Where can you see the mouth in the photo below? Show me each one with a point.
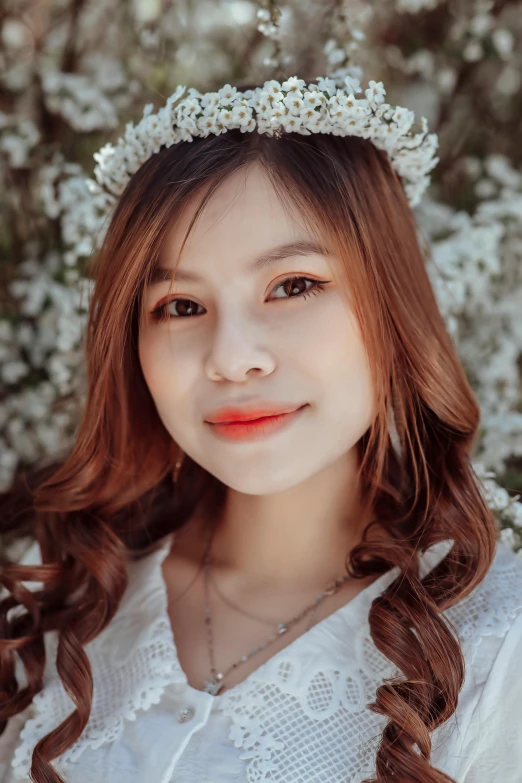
(254, 417)
(249, 412)
(254, 429)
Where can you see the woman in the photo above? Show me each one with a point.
(275, 600)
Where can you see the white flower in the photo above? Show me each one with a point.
(414, 6)
(403, 118)
(6, 331)
(509, 81)
(499, 167)
(473, 51)
(13, 371)
(514, 513)
(242, 115)
(335, 56)
(507, 536)
(291, 123)
(17, 139)
(227, 94)
(293, 84)
(273, 89)
(375, 92)
(326, 85)
(79, 101)
(352, 84)
(481, 24)
(446, 78)
(294, 103)
(503, 41)
(485, 188)
(313, 98)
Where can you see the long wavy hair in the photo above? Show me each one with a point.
(113, 495)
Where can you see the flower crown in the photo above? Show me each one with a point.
(275, 108)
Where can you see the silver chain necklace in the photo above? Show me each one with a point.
(216, 681)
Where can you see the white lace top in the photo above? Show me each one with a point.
(301, 717)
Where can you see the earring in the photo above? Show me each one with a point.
(177, 467)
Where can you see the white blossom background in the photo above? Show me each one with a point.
(73, 72)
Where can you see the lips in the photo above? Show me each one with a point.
(256, 429)
(249, 412)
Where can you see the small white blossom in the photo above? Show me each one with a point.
(473, 51)
(509, 81)
(514, 514)
(507, 537)
(503, 41)
(414, 6)
(481, 24)
(12, 372)
(375, 93)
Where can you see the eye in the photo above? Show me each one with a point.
(317, 286)
(187, 307)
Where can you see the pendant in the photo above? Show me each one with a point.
(212, 686)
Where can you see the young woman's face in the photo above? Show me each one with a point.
(241, 333)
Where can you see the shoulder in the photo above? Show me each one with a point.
(489, 622)
(481, 732)
(132, 662)
(492, 610)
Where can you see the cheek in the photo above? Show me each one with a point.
(170, 371)
(147, 352)
(158, 363)
(341, 364)
(334, 341)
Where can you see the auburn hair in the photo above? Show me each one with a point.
(112, 495)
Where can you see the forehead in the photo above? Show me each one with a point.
(243, 219)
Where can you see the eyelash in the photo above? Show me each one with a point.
(160, 313)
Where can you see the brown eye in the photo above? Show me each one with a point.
(289, 285)
(164, 311)
(185, 308)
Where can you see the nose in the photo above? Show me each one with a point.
(238, 345)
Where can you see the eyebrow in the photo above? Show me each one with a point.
(302, 248)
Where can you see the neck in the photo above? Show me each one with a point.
(296, 539)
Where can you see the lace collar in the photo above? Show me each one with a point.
(135, 659)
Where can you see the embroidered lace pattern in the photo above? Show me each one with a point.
(294, 710)
(304, 703)
(132, 661)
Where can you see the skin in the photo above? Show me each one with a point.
(292, 511)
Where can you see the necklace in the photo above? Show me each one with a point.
(216, 681)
